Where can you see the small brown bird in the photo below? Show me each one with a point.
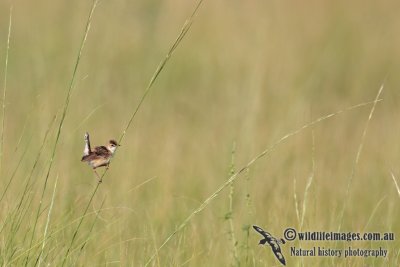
(100, 156)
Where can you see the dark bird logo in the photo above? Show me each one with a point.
(273, 242)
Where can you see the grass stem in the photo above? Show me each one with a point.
(5, 92)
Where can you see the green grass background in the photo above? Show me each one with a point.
(248, 72)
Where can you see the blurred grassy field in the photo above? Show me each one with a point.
(247, 73)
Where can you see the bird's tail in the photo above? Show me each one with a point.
(87, 149)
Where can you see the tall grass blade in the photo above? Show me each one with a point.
(90, 231)
(229, 215)
(309, 182)
(79, 225)
(373, 213)
(47, 224)
(360, 147)
(5, 92)
(27, 184)
(186, 27)
(296, 202)
(15, 170)
(395, 183)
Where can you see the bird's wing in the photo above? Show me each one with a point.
(280, 257)
(278, 253)
(277, 250)
(263, 233)
(101, 151)
(89, 157)
(275, 247)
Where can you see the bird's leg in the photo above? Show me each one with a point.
(108, 166)
(98, 176)
(87, 149)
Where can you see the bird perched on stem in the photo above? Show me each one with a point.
(100, 156)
